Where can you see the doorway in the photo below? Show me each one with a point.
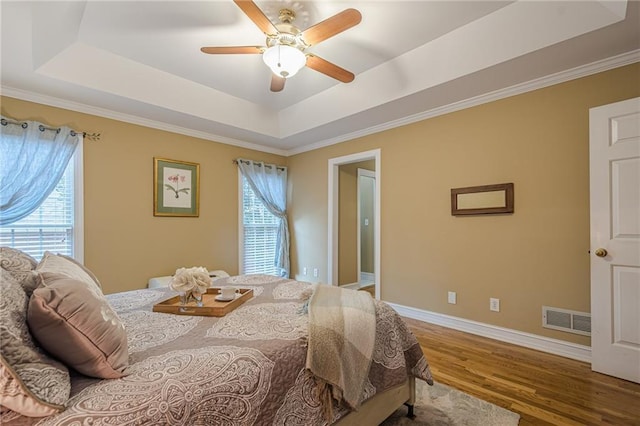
(356, 222)
(333, 260)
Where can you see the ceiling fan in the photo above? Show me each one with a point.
(285, 47)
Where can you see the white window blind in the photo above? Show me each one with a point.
(48, 228)
(259, 234)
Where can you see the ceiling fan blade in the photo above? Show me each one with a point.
(277, 83)
(327, 68)
(331, 26)
(257, 16)
(232, 49)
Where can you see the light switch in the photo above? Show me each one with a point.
(366, 221)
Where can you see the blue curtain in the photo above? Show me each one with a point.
(33, 158)
(269, 183)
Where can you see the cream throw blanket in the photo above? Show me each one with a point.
(342, 329)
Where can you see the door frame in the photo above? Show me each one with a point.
(333, 213)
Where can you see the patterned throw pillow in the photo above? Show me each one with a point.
(60, 264)
(20, 265)
(74, 322)
(31, 383)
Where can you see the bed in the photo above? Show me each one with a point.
(245, 368)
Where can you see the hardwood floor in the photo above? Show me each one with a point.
(371, 289)
(544, 389)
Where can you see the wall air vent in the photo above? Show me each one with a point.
(566, 320)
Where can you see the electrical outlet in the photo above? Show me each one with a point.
(451, 297)
(494, 304)
(315, 272)
(304, 271)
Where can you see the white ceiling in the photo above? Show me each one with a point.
(140, 61)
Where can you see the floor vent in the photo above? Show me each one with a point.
(566, 320)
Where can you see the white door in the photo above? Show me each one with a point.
(615, 239)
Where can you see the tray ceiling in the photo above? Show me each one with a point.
(140, 60)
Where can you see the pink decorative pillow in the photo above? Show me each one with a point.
(61, 264)
(73, 321)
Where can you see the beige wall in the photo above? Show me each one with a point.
(347, 225)
(125, 244)
(536, 256)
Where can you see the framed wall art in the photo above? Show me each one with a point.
(485, 199)
(176, 188)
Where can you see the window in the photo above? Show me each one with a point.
(258, 234)
(56, 225)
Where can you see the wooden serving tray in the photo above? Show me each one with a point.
(211, 307)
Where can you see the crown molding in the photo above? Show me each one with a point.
(550, 80)
(129, 118)
(539, 83)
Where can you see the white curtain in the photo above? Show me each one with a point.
(269, 183)
(33, 158)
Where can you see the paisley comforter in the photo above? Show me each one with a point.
(246, 368)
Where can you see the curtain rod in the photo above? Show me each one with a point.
(268, 166)
(42, 127)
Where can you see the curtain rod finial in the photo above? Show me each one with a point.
(91, 136)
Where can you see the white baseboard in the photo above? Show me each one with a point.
(352, 286)
(359, 285)
(528, 340)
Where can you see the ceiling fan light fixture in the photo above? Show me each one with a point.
(284, 61)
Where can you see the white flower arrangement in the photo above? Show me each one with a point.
(191, 281)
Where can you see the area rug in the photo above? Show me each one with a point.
(441, 405)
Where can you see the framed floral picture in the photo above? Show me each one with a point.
(176, 188)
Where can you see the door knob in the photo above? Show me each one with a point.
(601, 252)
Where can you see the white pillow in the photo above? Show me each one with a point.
(60, 264)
